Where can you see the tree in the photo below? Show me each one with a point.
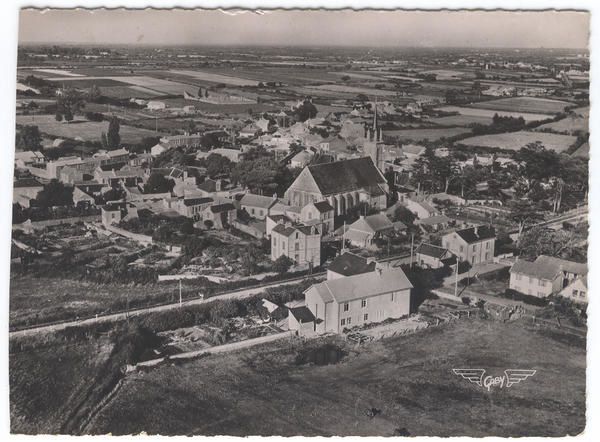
(404, 215)
(113, 139)
(217, 165)
(282, 264)
(28, 138)
(200, 92)
(54, 194)
(306, 111)
(68, 103)
(187, 227)
(524, 212)
(94, 93)
(543, 241)
(261, 172)
(157, 183)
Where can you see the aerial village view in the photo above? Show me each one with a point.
(299, 239)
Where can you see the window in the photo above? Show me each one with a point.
(297, 257)
(473, 248)
(346, 307)
(366, 317)
(518, 277)
(487, 245)
(461, 249)
(261, 213)
(296, 236)
(309, 215)
(348, 321)
(283, 245)
(343, 322)
(363, 303)
(574, 292)
(297, 246)
(487, 256)
(542, 283)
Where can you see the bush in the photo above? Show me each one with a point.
(282, 264)
(527, 299)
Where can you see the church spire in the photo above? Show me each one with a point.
(376, 123)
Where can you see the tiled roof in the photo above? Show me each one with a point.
(350, 264)
(27, 182)
(253, 200)
(565, 265)
(431, 250)
(535, 269)
(323, 206)
(218, 208)
(364, 285)
(196, 201)
(476, 234)
(346, 175)
(302, 314)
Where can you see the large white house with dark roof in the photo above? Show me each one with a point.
(302, 244)
(344, 184)
(473, 245)
(359, 299)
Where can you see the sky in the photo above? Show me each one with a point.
(533, 29)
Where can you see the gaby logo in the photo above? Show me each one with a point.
(477, 376)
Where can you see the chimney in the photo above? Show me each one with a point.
(218, 185)
(274, 197)
(475, 230)
(379, 271)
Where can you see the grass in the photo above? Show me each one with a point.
(86, 130)
(517, 140)
(425, 134)
(524, 104)
(477, 112)
(568, 125)
(46, 381)
(462, 120)
(263, 391)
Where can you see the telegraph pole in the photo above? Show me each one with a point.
(456, 279)
(412, 243)
(180, 299)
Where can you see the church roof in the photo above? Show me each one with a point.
(346, 175)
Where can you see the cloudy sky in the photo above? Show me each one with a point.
(311, 28)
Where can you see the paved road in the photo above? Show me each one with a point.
(234, 294)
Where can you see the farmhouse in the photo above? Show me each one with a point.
(359, 299)
(473, 245)
(257, 206)
(344, 184)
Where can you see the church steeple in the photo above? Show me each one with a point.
(376, 130)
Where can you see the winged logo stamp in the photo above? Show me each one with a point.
(508, 379)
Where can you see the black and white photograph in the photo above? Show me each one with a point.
(302, 222)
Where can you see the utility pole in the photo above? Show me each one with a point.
(180, 300)
(412, 243)
(344, 238)
(456, 279)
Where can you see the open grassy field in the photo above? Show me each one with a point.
(86, 130)
(477, 112)
(425, 133)
(517, 140)
(461, 120)
(38, 300)
(216, 78)
(46, 383)
(569, 125)
(524, 104)
(267, 391)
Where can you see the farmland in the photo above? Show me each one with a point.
(478, 112)
(517, 140)
(425, 133)
(81, 128)
(216, 78)
(461, 120)
(569, 125)
(408, 378)
(524, 104)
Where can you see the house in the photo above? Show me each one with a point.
(82, 199)
(127, 176)
(434, 257)
(576, 290)
(301, 319)
(157, 149)
(193, 207)
(349, 264)
(113, 213)
(367, 297)
(366, 229)
(273, 219)
(29, 158)
(434, 223)
(257, 206)
(301, 159)
(302, 244)
(546, 276)
(318, 214)
(221, 215)
(474, 245)
(344, 184)
(421, 209)
(25, 190)
(232, 155)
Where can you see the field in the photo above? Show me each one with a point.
(425, 134)
(81, 128)
(517, 140)
(340, 90)
(268, 391)
(569, 125)
(477, 112)
(216, 78)
(461, 120)
(46, 383)
(153, 84)
(524, 104)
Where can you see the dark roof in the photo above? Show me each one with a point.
(208, 185)
(431, 250)
(196, 201)
(27, 182)
(225, 207)
(290, 230)
(323, 206)
(476, 234)
(302, 314)
(346, 175)
(350, 264)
